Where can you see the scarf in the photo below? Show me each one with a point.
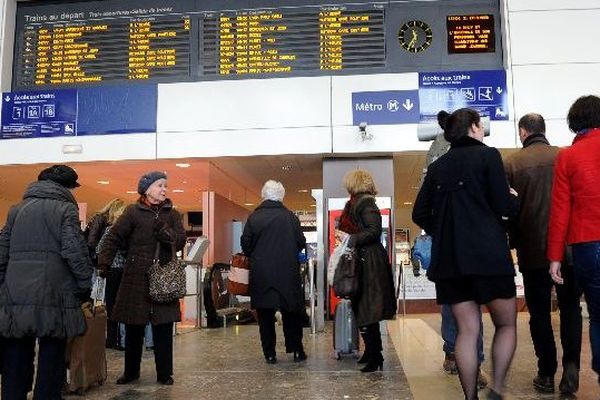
(346, 223)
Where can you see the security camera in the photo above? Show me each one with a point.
(362, 128)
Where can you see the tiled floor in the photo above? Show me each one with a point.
(227, 363)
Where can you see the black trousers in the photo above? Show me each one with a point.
(17, 374)
(163, 350)
(113, 281)
(292, 330)
(538, 288)
(372, 338)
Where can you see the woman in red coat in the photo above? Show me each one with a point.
(575, 210)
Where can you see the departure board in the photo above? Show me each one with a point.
(277, 42)
(75, 43)
(83, 52)
(470, 34)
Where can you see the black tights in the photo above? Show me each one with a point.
(504, 314)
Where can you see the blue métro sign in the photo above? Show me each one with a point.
(39, 114)
(389, 107)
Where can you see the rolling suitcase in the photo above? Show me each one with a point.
(86, 355)
(345, 331)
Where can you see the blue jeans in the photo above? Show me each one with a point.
(450, 330)
(586, 257)
(149, 342)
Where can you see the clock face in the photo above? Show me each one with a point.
(415, 36)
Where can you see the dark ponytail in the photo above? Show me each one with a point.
(442, 118)
(459, 122)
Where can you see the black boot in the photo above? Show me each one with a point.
(374, 363)
(365, 358)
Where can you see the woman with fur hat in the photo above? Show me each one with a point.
(150, 221)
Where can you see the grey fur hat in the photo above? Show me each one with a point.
(148, 179)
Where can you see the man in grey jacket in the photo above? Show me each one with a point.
(45, 275)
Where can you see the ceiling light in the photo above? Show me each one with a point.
(178, 190)
(184, 182)
(183, 165)
(72, 149)
(103, 182)
(286, 167)
(408, 203)
(248, 204)
(303, 191)
(131, 192)
(313, 205)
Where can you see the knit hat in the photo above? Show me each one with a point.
(148, 179)
(61, 174)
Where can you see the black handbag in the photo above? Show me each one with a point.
(345, 279)
(166, 281)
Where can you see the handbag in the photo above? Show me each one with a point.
(422, 251)
(345, 278)
(334, 259)
(166, 281)
(239, 275)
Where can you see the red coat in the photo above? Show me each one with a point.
(575, 208)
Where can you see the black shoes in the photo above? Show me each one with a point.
(271, 359)
(374, 363)
(364, 358)
(544, 383)
(299, 356)
(492, 395)
(124, 380)
(167, 381)
(569, 384)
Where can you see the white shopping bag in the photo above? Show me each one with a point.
(98, 289)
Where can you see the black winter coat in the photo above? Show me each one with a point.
(136, 232)
(376, 299)
(44, 265)
(272, 239)
(461, 204)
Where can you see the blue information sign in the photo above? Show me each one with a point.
(386, 108)
(39, 114)
(484, 91)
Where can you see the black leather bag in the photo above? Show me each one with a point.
(345, 279)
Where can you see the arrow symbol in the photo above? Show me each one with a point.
(408, 105)
(498, 90)
(7, 98)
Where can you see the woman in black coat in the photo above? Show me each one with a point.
(375, 300)
(150, 223)
(463, 205)
(272, 239)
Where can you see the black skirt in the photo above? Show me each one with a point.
(477, 288)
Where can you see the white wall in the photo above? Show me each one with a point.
(555, 58)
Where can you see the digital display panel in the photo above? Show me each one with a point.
(97, 51)
(471, 33)
(88, 43)
(280, 42)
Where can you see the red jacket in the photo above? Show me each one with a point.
(575, 208)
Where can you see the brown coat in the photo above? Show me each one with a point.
(529, 172)
(137, 232)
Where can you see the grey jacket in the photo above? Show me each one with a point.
(44, 265)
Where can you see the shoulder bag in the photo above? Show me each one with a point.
(166, 281)
(345, 278)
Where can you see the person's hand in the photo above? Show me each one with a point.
(555, 272)
(513, 192)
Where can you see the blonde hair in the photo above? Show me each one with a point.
(113, 209)
(359, 181)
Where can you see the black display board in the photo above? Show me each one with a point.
(86, 43)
